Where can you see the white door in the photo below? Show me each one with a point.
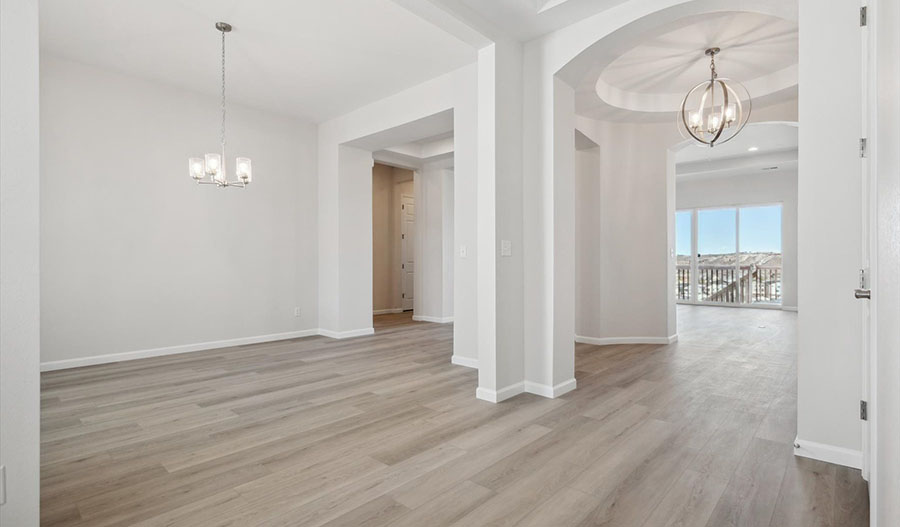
(407, 249)
(867, 246)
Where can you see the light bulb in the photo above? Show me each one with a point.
(195, 166)
(730, 112)
(244, 169)
(213, 163)
(695, 120)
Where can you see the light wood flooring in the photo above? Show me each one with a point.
(383, 430)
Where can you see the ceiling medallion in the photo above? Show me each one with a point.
(714, 111)
(210, 170)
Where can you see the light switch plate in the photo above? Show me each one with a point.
(505, 248)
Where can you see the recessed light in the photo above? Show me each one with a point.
(753, 149)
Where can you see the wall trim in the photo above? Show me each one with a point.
(438, 320)
(199, 346)
(172, 350)
(496, 396)
(828, 453)
(388, 311)
(464, 361)
(606, 341)
(552, 392)
(789, 308)
(346, 334)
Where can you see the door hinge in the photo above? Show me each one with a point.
(402, 236)
(402, 207)
(402, 266)
(863, 147)
(403, 295)
(863, 16)
(863, 411)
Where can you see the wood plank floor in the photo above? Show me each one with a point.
(383, 430)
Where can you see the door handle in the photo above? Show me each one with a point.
(863, 293)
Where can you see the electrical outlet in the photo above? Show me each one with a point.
(463, 252)
(505, 248)
(297, 311)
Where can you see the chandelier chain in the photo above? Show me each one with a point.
(223, 92)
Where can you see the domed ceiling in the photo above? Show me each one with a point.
(647, 81)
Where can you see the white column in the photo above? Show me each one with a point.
(19, 260)
(499, 210)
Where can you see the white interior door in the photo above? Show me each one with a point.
(407, 249)
(867, 246)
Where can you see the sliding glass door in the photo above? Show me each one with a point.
(684, 248)
(716, 255)
(760, 252)
(729, 255)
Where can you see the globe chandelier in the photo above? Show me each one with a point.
(714, 111)
(210, 169)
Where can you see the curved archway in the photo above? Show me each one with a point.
(553, 67)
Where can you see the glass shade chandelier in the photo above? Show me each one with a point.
(210, 169)
(716, 110)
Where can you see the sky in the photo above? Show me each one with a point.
(716, 230)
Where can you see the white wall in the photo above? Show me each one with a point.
(760, 188)
(434, 254)
(136, 256)
(829, 235)
(19, 262)
(621, 198)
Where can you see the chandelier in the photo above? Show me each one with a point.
(210, 170)
(714, 111)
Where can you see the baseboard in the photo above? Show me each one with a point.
(172, 350)
(200, 346)
(606, 341)
(438, 320)
(464, 361)
(346, 334)
(552, 392)
(496, 396)
(388, 311)
(828, 453)
(789, 308)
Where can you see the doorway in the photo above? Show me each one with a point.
(393, 239)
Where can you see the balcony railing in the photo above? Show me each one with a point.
(728, 284)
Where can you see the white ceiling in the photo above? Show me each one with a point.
(529, 19)
(775, 147)
(314, 59)
(752, 45)
(648, 79)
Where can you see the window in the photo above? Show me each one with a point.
(732, 256)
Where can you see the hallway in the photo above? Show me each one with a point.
(382, 430)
